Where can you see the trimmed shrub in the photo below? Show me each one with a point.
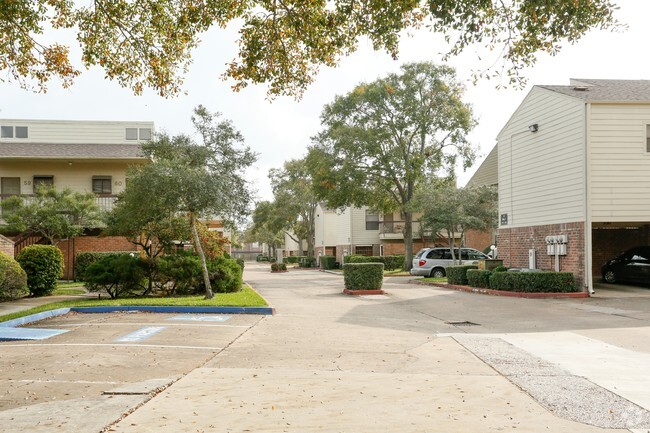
(278, 267)
(292, 259)
(13, 279)
(478, 278)
(225, 275)
(179, 274)
(458, 274)
(85, 259)
(308, 262)
(363, 276)
(500, 269)
(534, 282)
(43, 265)
(118, 275)
(240, 262)
(390, 262)
(327, 262)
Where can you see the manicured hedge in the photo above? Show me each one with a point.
(117, 275)
(327, 262)
(85, 259)
(225, 275)
(292, 259)
(478, 278)
(13, 279)
(363, 276)
(43, 265)
(390, 262)
(278, 267)
(308, 262)
(534, 282)
(458, 274)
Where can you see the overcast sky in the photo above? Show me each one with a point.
(281, 129)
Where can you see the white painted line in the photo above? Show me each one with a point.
(195, 318)
(81, 382)
(140, 334)
(155, 346)
(195, 324)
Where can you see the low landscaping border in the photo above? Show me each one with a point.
(269, 311)
(529, 295)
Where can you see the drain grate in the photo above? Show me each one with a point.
(465, 323)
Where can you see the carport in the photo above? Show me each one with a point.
(608, 239)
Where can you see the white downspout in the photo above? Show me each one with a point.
(588, 241)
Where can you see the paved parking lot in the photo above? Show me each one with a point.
(105, 365)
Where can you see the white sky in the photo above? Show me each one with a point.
(281, 129)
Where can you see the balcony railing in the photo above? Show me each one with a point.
(104, 201)
(395, 230)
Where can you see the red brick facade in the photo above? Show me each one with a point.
(7, 246)
(91, 243)
(514, 244)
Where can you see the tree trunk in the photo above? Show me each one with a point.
(204, 266)
(311, 233)
(408, 241)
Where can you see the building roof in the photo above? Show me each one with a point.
(605, 90)
(78, 151)
(488, 171)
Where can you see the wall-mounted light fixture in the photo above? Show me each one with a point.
(534, 127)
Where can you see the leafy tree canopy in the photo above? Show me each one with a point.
(148, 43)
(51, 213)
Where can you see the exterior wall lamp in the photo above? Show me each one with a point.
(534, 127)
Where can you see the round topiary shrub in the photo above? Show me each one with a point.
(225, 275)
(43, 265)
(13, 280)
(363, 276)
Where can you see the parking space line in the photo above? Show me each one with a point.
(140, 334)
(195, 324)
(156, 346)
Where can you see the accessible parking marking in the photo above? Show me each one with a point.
(140, 334)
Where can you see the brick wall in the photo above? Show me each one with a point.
(514, 244)
(7, 246)
(397, 246)
(88, 244)
(479, 240)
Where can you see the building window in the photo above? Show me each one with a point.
(372, 221)
(363, 250)
(47, 181)
(6, 132)
(647, 138)
(21, 132)
(131, 133)
(102, 184)
(144, 134)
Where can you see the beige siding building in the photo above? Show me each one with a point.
(574, 161)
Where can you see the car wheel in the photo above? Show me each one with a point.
(438, 273)
(609, 276)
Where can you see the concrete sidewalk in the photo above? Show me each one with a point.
(327, 362)
(23, 304)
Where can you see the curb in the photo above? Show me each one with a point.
(535, 295)
(363, 292)
(150, 309)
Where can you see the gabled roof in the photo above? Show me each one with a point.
(79, 151)
(605, 90)
(488, 171)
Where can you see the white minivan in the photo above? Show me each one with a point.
(432, 262)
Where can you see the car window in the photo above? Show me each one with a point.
(435, 254)
(640, 257)
(419, 254)
(474, 255)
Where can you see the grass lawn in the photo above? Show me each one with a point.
(247, 297)
(79, 291)
(433, 280)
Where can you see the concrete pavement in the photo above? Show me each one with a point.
(421, 359)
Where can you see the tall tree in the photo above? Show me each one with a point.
(295, 201)
(386, 138)
(148, 43)
(196, 180)
(52, 214)
(456, 210)
(267, 227)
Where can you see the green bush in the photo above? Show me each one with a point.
(85, 259)
(363, 276)
(500, 269)
(534, 282)
(390, 262)
(278, 267)
(225, 275)
(13, 279)
(478, 278)
(292, 259)
(43, 265)
(308, 262)
(119, 275)
(240, 262)
(327, 262)
(458, 274)
(179, 274)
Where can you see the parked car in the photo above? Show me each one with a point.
(632, 266)
(432, 262)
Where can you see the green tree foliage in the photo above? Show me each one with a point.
(191, 180)
(267, 227)
(51, 213)
(148, 43)
(456, 210)
(384, 139)
(43, 265)
(295, 201)
(13, 279)
(117, 275)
